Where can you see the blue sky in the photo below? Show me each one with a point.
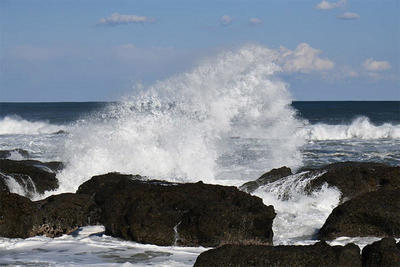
(79, 51)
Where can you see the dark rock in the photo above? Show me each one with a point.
(16, 215)
(31, 174)
(351, 178)
(3, 183)
(319, 254)
(7, 153)
(191, 214)
(64, 213)
(381, 253)
(266, 178)
(53, 216)
(371, 214)
(356, 178)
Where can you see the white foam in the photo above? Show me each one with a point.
(89, 246)
(17, 125)
(175, 129)
(15, 155)
(360, 128)
(27, 189)
(360, 241)
(299, 215)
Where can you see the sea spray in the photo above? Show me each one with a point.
(24, 186)
(299, 213)
(16, 125)
(177, 128)
(359, 128)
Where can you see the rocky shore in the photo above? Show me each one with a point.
(239, 225)
(380, 253)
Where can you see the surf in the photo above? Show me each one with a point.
(177, 129)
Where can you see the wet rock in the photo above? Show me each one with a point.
(3, 184)
(64, 213)
(191, 214)
(32, 175)
(266, 178)
(351, 178)
(356, 178)
(381, 253)
(16, 215)
(53, 216)
(319, 254)
(371, 214)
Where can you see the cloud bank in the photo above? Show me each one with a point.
(118, 19)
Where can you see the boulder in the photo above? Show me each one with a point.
(64, 213)
(381, 253)
(371, 214)
(54, 216)
(34, 176)
(266, 178)
(320, 254)
(16, 215)
(191, 214)
(356, 178)
(351, 178)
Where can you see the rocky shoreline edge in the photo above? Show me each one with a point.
(228, 218)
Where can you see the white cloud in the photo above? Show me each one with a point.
(325, 5)
(374, 65)
(226, 20)
(348, 16)
(304, 59)
(117, 19)
(255, 21)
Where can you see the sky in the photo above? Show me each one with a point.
(97, 50)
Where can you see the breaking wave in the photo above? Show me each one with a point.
(360, 128)
(175, 129)
(299, 214)
(16, 125)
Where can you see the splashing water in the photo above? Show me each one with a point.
(15, 125)
(360, 128)
(299, 215)
(25, 187)
(177, 128)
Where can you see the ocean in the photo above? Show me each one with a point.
(226, 122)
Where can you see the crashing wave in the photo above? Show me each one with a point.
(16, 125)
(175, 129)
(360, 128)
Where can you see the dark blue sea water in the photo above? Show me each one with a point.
(330, 112)
(342, 112)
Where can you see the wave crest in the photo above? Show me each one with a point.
(360, 128)
(174, 129)
(17, 125)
